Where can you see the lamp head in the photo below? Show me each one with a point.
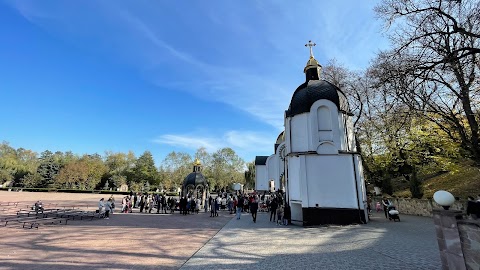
(444, 198)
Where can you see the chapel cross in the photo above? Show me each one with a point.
(310, 44)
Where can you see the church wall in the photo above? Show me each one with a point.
(288, 144)
(261, 177)
(330, 182)
(362, 193)
(294, 169)
(299, 133)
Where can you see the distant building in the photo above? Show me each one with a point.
(261, 173)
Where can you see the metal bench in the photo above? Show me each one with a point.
(50, 220)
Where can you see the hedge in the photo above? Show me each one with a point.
(80, 191)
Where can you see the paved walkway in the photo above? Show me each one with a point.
(381, 244)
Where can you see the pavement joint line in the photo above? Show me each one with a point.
(226, 223)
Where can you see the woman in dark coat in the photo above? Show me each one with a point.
(254, 208)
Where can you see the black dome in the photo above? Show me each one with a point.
(313, 90)
(195, 178)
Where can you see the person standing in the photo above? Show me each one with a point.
(101, 205)
(164, 203)
(386, 202)
(473, 208)
(142, 203)
(254, 208)
(135, 200)
(273, 209)
(159, 204)
(112, 200)
(217, 205)
(108, 208)
(239, 207)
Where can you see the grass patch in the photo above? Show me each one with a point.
(462, 182)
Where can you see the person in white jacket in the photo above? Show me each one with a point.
(101, 205)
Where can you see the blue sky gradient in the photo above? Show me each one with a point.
(91, 76)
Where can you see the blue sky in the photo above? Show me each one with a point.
(91, 76)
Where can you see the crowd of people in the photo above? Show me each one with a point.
(233, 203)
(250, 203)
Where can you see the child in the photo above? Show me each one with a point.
(378, 207)
(280, 215)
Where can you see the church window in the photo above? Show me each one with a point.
(324, 119)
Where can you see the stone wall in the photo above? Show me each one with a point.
(418, 207)
(469, 231)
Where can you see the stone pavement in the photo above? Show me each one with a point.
(380, 244)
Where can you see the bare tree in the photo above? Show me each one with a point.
(433, 66)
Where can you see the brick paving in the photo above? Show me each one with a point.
(381, 244)
(125, 241)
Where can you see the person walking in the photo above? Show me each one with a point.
(254, 208)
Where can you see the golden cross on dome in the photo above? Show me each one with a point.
(310, 44)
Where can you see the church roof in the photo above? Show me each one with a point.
(195, 178)
(313, 90)
(280, 138)
(261, 160)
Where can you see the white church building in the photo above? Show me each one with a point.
(315, 160)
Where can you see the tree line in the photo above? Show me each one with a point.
(66, 170)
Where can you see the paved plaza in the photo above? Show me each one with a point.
(381, 244)
(125, 241)
(151, 241)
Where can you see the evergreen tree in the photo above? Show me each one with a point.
(48, 168)
(145, 169)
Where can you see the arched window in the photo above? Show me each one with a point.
(324, 119)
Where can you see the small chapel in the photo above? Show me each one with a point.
(195, 185)
(315, 161)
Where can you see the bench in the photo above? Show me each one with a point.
(75, 213)
(50, 220)
(8, 203)
(18, 219)
(29, 212)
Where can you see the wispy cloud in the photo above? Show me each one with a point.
(245, 143)
(250, 59)
(255, 66)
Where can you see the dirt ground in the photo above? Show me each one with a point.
(125, 241)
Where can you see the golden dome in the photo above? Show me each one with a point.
(197, 162)
(311, 63)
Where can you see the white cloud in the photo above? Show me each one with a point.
(247, 144)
